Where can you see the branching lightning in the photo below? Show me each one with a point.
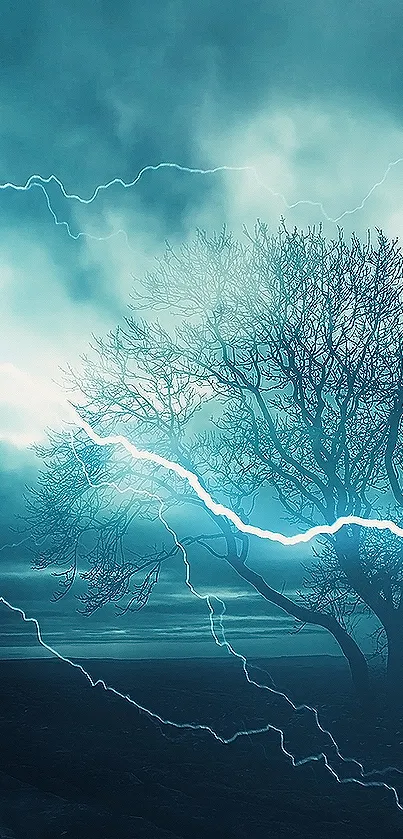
(215, 507)
(364, 776)
(207, 728)
(41, 182)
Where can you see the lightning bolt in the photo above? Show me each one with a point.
(220, 509)
(207, 728)
(274, 691)
(202, 726)
(41, 182)
(217, 508)
(15, 544)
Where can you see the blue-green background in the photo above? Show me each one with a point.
(308, 94)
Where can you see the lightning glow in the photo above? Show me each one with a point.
(219, 510)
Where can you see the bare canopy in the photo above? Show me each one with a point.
(294, 345)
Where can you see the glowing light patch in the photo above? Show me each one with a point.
(36, 401)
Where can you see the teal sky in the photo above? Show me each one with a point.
(309, 96)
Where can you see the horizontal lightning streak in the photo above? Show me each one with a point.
(41, 182)
(220, 509)
(15, 544)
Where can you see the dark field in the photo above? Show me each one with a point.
(78, 762)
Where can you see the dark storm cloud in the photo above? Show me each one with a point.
(110, 87)
(93, 91)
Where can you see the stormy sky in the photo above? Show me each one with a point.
(308, 96)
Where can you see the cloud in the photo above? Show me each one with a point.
(33, 402)
(306, 155)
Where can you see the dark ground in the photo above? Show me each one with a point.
(79, 763)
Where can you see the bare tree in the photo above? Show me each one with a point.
(295, 345)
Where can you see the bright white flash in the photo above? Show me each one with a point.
(27, 405)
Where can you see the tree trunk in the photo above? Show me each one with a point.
(356, 659)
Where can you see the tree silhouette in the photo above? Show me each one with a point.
(294, 345)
